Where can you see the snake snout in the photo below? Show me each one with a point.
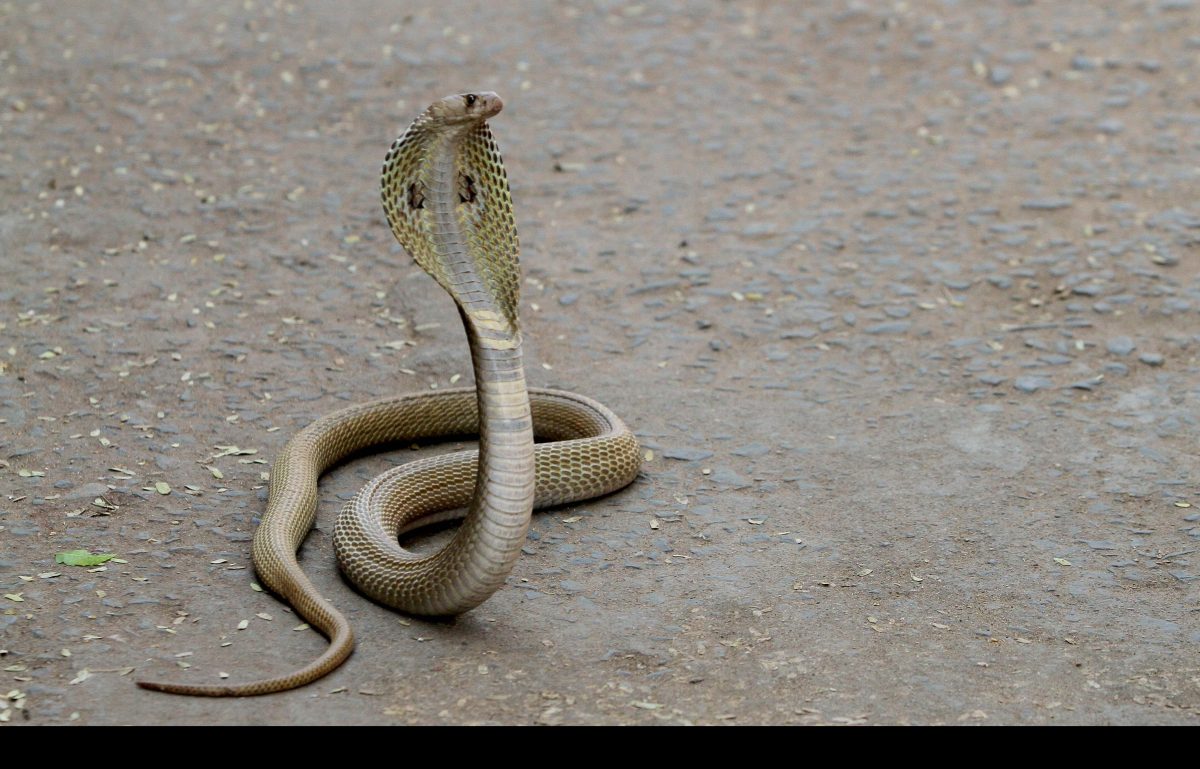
(490, 103)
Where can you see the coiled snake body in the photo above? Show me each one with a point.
(447, 200)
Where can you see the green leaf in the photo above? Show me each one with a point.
(83, 558)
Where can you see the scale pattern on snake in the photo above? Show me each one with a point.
(446, 196)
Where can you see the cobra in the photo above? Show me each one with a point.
(446, 195)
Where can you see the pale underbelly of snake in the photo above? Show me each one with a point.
(447, 200)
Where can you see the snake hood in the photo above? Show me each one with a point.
(447, 201)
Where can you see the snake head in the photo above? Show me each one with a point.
(465, 108)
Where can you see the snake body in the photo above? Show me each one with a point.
(447, 201)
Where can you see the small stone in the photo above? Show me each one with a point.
(758, 230)
(88, 491)
(1151, 358)
(1046, 204)
(686, 454)
(1110, 126)
(1032, 383)
(896, 327)
(1120, 345)
(727, 477)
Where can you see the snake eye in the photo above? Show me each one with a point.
(471, 99)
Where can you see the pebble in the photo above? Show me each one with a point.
(1046, 204)
(896, 327)
(727, 477)
(687, 454)
(88, 491)
(1151, 358)
(1164, 626)
(1120, 345)
(1032, 383)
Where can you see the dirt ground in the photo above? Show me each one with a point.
(901, 298)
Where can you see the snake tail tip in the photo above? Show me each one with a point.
(165, 688)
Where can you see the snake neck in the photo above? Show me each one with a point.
(466, 217)
(497, 520)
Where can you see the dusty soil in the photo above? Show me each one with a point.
(901, 298)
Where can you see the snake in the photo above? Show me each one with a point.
(447, 200)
